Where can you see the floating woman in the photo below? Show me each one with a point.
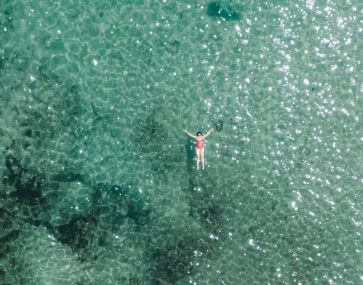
(199, 145)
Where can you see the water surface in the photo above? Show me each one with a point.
(99, 184)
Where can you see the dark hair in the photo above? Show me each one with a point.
(199, 133)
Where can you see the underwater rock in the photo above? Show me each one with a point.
(153, 129)
(173, 47)
(28, 185)
(174, 262)
(2, 63)
(75, 89)
(103, 194)
(67, 177)
(151, 135)
(120, 201)
(28, 133)
(228, 13)
(10, 236)
(76, 232)
(69, 200)
(5, 241)
(6, 17)
(219, 125)
(139, 213)
(211, 215)
(57, 45)
(30, 191)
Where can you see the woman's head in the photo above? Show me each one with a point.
(199, 134)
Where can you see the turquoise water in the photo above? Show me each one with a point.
(99, 184)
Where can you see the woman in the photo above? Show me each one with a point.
(199, 146)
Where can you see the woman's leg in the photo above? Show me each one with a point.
(197, 150)
(202, 156)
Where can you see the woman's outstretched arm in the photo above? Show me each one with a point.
(208, 133)
(189, 134)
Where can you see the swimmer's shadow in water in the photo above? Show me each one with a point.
(204, 207)
(190, 153)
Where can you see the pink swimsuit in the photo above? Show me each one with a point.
(199, 143)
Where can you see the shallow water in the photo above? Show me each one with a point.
(99, 184)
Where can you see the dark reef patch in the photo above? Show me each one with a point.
(211, 216)
(218, 126)
(4, 247)
(10, 236)
(28, 184)
(46, 75)
(173, 47)
(227, 13)
(153, 130)
(2, 63)
(57, 45)
(7, 15)
(174, 262)
(28, 133)
(76, 233)
(75, 89)
(138, 212)
(151, 138)
(118, 202)
(67, 177)
(174, 259)
(19, 61)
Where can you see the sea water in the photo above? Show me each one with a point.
(99, 182)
